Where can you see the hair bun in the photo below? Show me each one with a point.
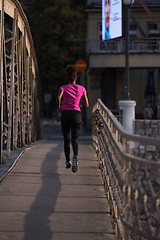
(71, 68)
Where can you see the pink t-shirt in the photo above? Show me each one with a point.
(72, 94)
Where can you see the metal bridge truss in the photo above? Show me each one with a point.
(132, 183)
(19, 80)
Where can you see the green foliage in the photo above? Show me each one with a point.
(58, 27)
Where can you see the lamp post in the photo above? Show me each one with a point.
(127, 106)
(127, 3)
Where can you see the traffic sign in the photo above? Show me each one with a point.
(81, 65)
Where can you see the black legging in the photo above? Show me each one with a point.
(70, 123)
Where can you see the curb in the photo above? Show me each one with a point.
(16, 160)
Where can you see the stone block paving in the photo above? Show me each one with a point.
(42, 200)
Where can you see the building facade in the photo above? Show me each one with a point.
(106, 59)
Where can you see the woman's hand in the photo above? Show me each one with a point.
(84, 101)
(58, 110)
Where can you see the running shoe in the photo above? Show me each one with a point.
(74, 164)
(68, 164)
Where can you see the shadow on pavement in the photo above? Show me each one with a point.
(37, 223)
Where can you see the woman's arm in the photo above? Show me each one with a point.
(84, 101)
(58, 100)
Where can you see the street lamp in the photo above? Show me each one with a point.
(127, 106)
(127, 3)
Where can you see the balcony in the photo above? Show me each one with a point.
(118, 46)
(144, 53)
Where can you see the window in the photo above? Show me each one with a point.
(133, 32)
(153, 31)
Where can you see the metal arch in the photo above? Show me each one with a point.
(19, 84)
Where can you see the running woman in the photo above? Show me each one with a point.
(73, 95)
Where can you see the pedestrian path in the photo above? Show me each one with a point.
(41, 200)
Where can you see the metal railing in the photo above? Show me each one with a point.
(19, 80)
(118, 46)
(132, 183)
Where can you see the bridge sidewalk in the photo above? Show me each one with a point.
(41, 200)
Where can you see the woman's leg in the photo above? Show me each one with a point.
(75, 130)
(65, 125)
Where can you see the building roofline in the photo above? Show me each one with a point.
(96, 4)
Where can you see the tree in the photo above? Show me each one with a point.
(56, 26)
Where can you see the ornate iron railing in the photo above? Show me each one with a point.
(19, 80)
(132, 183)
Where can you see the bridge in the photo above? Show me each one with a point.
(20, 86)
(115, 193)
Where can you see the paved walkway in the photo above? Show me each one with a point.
(41, 200)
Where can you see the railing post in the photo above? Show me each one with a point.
(117, 136)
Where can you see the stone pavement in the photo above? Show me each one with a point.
(41, 200)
